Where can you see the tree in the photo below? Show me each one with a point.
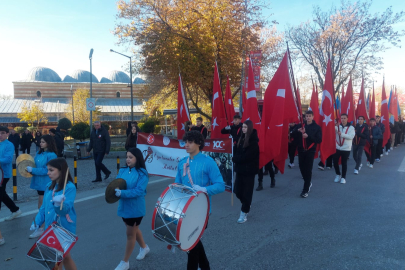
(78, 131)
(64, 123)
(79, 106)
(350, 35)
(188, 37)
(31, 113)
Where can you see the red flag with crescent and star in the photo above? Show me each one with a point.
(218, 120)
(250, 111)
(349, 103)
(328, 145)
(371, 112)
(229, 109)
(385, 117)
(49, 239)
(314, 107)
(182, 111)
(361, 109)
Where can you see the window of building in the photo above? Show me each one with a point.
(39, 94)
(118, 94)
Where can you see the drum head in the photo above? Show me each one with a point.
(22, 165)
(110, 190)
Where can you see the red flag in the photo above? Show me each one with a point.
(218, 109)
(251, 111)
(229, 109)
(49, 239)
(182, 110)
(385, 115)
(371, 112)
(314, 107)
(393, 109)
(328, 146)
(361, 104)
(343, 102)
(349, 103)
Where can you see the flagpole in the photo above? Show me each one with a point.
(334, 97)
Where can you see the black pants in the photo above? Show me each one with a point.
(306, 161)
(398, 136)
(4, 198)
(343, 155)
(268, 167)
(28, 149)
(379, 150)
(292, 148)
(98, 160)
(357, 154)
(197, 258)
(371, 158)
(328, 162)
(16, 152)
(388, 145)
(244, 185)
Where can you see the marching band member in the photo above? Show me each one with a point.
(201, 173)
(131, 205)
(40, 178)
(375, 135)
(359, 141)
(53, 197)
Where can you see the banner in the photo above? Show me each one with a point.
(162, 155)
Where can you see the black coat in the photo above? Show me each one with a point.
(100, 142)
(131, 142)
(314, 133)
(202, 129)
(235, 131)
(381, 126)
(59, 141)
(247, 159)
(362, 135)
(15, 139)
(26, 140)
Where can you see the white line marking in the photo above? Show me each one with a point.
(402, 166)
(83, 199)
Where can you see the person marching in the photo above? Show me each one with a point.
(37, 140)
(59, 140)
(359, 141)
(200, 127)
(50, 210)
(6, 159)
(375, 135)
(131, 207)
(202, 174)
(235, 130)
(344, 136)
(131, 139)
(40, 178)
(246, 159)
(26, 141)
(292, 145)
(311, 134)
(380, 147)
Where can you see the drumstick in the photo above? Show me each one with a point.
(64, 187)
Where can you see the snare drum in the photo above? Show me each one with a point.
(180, 216)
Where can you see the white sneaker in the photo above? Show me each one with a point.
(242, 218)
(342, 181)
(378, 160)
(14, 215)
(328, 168)
(36, 233)
(292, 165)
(371, 166)
(391, 148)
(123, 266)
(337, 178)
(142, 253)
(368, 164)
(381, 155)
(321, 168)
(2, 241)
(386, 153)
(356, 171)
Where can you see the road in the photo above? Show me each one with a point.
(358, 225)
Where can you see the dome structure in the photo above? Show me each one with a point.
(69, 79)
(139, 81)
(105, 80)
(116, 76)
(43, 74)
(82, 76)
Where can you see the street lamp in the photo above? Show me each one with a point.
(91, 84)
(130, 79)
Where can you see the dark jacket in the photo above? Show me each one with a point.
(202, 129)
(362, 135)
(314, 133)
(235, 131)
(247, 159)
(291, 130)
(377, 134)
(26, 140)
(392, 130)
(131, 141)
(397, 127)
(37, 140)
(15, 139)
(59, 141)
(99, 141)
(381, 126)
(129, 128)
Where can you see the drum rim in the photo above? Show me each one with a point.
(155, 211)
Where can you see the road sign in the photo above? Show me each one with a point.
(91, 104)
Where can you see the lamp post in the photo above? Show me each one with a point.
(73, 111)
(91, 85)
(130, 80)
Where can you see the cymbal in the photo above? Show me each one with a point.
(22, 165)
(110, 190)
(22, 157)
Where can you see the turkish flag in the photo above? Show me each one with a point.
(361, 104)
(182, 111)
(279, 109)
(385, 116)
(229, 109)
(348, 103)
(49, 239)
(371, 112)
(251, 111)
(393, 109)
(218, 109)
(328, 145)
(314, 107)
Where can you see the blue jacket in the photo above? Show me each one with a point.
(49, 213)
(6, 157)
(376, 133)
(40, 178)
(204, 172)
(132, 200)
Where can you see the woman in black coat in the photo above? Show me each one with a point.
(246, 159)
(26, 141)
(131, 139)
(37, 140)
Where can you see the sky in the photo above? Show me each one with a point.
(60, 34)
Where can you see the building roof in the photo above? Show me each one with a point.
(80, 76)
(43, 74)
(117, 76)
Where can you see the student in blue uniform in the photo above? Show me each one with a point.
(40, 178)
(53, 197)
(206, 177)
(131, 205)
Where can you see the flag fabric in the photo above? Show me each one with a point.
(314, 107)
(279, 109)
(218, 109)
(328, 145)
(50, 239)
(349, 103)
(390, 109)
(361, 104)
(343, 103)
(385, 116)
(182, 111)
(397, 100)
(368, 102)
(229, 109)
(251, 111)
(371, 112)
(338, 106)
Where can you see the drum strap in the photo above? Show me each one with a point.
(186, 170)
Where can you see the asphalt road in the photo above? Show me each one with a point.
(359, 225)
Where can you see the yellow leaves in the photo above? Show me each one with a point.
(32, 113)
